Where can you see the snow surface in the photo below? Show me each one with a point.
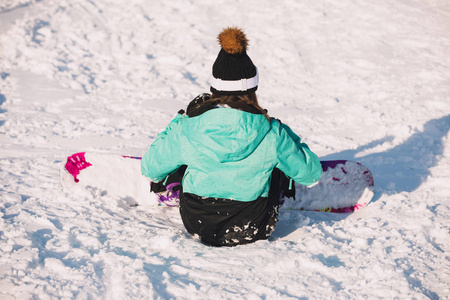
(361, 80)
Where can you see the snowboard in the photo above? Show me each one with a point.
(345, 185)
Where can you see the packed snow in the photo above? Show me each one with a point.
(361, 80)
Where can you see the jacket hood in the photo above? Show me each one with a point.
(226, 134)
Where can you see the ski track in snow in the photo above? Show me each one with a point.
(367, 81)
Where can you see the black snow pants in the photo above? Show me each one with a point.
(225, 222)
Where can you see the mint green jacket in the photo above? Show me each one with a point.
(229, 154)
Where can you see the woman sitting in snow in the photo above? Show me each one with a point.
(232, 160)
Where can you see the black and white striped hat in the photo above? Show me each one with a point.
(233, 72)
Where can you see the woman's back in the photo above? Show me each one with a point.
(231, 158)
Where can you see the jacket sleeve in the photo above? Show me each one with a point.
(295, 159)
(164, 155)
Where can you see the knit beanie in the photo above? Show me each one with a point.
(233, 72)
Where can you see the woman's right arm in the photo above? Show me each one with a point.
(295, 159)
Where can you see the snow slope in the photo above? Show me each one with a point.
(363, 80)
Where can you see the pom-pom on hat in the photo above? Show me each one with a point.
(233, 72)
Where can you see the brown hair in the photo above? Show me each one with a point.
(234, 100)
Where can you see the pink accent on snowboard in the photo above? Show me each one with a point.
(75, 163)
(344, 210)
(368, 178)
(344, 187)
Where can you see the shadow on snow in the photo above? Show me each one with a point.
(3, 76)
(406, 166)
(402, 168)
